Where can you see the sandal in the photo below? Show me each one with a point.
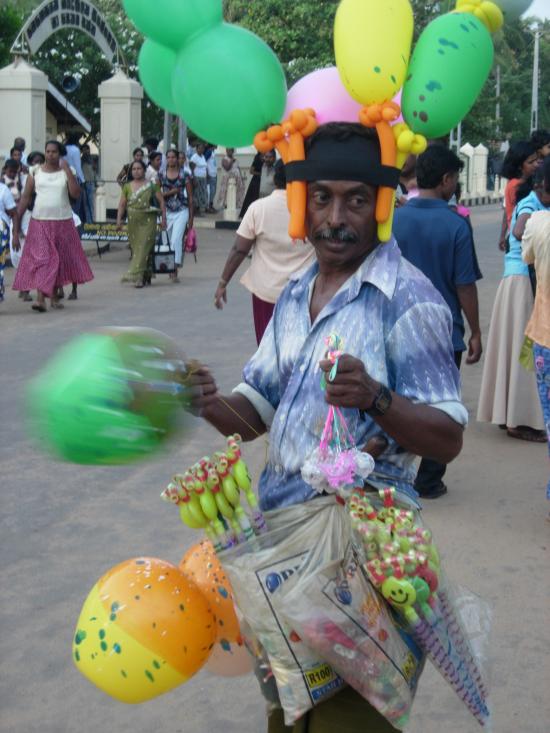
(56, 305)
(72, 296)
(138, 285)
(524, 432)
(39, 307)
(27, 297)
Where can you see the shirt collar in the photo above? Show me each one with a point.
(378, 269)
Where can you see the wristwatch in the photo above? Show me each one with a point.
(381, 403)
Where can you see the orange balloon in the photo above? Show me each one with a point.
(200, 563)
(229, 660)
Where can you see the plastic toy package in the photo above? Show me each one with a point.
(337, 612)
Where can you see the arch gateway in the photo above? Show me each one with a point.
(23, 87)
(56, 15)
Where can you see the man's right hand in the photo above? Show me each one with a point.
(203, 388)
(220, 296)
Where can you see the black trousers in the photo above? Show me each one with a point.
(430, 473)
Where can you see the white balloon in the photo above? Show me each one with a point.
(512, 9)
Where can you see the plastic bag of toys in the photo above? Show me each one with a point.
(337, 612)
(306, 536)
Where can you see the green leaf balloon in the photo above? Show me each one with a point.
(228, 85)
(156, 65)
(172, 22)
(108, 397)
(449, 66)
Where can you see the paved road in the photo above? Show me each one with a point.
(64, 525)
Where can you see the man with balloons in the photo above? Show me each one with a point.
(343, 138)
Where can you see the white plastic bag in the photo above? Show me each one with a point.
(310, 536)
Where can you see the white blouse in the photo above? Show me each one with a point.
(52, 195)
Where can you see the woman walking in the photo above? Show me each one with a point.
(509, 395)
(230, 171)
(53, 255)
(135, 198)
(178, 197)
(199, 167)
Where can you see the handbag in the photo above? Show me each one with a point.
(191, 243)
(164, 257)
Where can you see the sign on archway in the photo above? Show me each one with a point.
(54, 15)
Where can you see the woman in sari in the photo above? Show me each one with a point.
(136, 198)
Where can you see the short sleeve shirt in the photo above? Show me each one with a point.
(200, 165)
(513, 261)
(7, 203)
(275, 256)
(439, 242)
(388, 315)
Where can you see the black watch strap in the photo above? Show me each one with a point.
(381, 403)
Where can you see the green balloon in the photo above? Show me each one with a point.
(156, 65)
(108, 397)
(449, 66)
(228, 85)
(173, 22)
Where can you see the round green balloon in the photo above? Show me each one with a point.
(228, 85)
(156, 65)
(449, 66)
(172, 22)
(108, 397)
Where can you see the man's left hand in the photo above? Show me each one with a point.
(474, 349)
(352, 386)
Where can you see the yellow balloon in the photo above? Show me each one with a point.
(144, 629)
(372, 44)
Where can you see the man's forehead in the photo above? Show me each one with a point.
(342, 185)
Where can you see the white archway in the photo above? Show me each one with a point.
(55, 15)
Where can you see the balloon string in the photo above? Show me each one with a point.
(192, 368)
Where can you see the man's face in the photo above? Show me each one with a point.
(269, 159)
(340, 220)
(16, 155)
(448, 187)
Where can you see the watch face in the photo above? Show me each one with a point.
(383, 401)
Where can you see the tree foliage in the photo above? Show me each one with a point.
(301, 34)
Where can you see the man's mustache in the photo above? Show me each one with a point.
(338, 234)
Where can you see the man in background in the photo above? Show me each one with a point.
(439, 242)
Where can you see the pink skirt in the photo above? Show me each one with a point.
(52, 257)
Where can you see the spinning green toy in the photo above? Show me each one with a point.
(109, 397)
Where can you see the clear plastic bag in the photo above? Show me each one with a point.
(338, 613)
(449, 624)
(306, 536)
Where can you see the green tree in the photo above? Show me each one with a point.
(10, 21)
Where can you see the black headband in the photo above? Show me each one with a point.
(355, 158)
